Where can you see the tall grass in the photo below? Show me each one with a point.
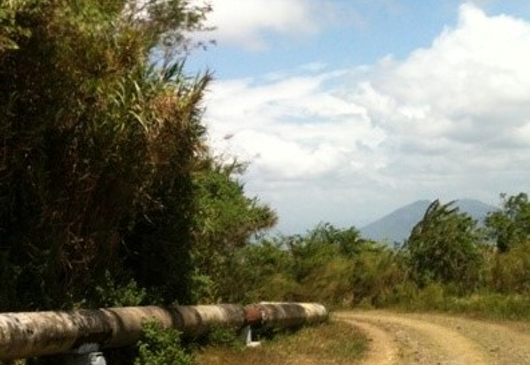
(334, 343)
(436, 297)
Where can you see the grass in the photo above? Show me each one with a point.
(333, 343)
(491, 306)
(484, 305)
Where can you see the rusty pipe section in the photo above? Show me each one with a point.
(280, 315)
(34, 334)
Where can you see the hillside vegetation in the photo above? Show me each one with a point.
(448, 262)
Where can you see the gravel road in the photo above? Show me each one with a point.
(432, 339)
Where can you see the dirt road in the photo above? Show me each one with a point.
(427, 339)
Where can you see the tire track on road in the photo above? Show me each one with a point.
(401, 339)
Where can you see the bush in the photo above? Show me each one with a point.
(509, 272)
(161, 346)
(377, 271)
(445, 246)
(224, 336)
(110, 294)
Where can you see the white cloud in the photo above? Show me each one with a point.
(449, 121)
(245, 23)
(291, 129)
(483, 60)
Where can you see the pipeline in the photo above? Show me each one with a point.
(280, 315)
(34, 334)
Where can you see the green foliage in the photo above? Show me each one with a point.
(431, 297)
(98, 150)
(377, 272)
(329, 283)
(224, 336)
(161, 346)
(445, 260)
(509, 272)
(112, 295)
(347, 241)
(445, 265)
(225, 221)
(108, 193)
(329, 265)
(320, 245)
(204, 289)
(510, 226)
(445, 246)
(279, 287)
(224, 212)
(262, 271)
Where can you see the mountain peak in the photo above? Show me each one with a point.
(396, 226)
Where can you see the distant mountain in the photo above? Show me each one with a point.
(396, 226)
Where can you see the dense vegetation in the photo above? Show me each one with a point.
(106, 182)
(109, 194)
(449, 262)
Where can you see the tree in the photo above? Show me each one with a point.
(445, 246)
(377, 271)
(225, 221)
(322, 244)
(324, 260)
(510, 226)
(98, 146)
(262, 271)
(348, 241)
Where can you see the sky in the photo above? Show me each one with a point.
(346, 110)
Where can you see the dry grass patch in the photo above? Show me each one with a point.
(334, 343)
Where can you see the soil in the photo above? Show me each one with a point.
(434, 339)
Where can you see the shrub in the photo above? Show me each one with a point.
(110, 294)
(224, 336)
(160, 346)
(509, 272)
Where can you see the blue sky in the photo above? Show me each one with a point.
(347, 110)
(350, 32)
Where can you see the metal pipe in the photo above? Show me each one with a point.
(34, 334)
(282, 315)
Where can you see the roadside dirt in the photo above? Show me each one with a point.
(432, 339)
